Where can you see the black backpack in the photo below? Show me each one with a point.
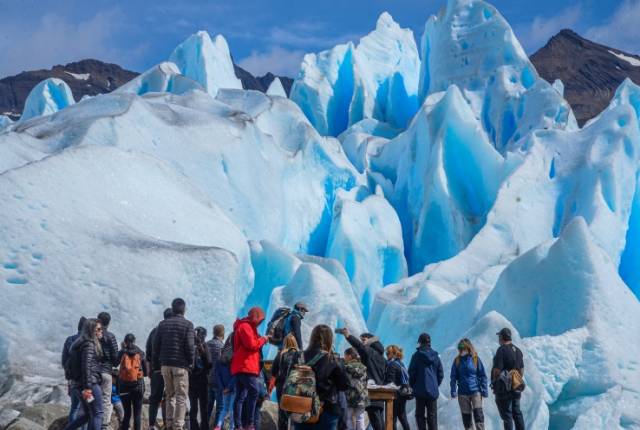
(73, 365)
(277, 325)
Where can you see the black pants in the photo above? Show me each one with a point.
(132, 403)
(376, 417)
(400, 413)
(155, 398)
(198, 399)
(509, 409)
(283, 419)
(431, 420)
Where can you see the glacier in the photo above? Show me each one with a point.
(444, 188)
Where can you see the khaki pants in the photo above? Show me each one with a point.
(471, 409)
(176, 387)
(107, 407)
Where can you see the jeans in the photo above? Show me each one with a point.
(119, 410)
(431, 420)
(471, 410)
(76, 406)
(132, 400)
(509, 409)
(355, 418)
(247, 387)
(90, 413)
(327, 421)
(376, 417)
(213, 402)
(176, 384)
(198, 399)
(400, 413)
(107, 408)
(155, 397)
(226, 408)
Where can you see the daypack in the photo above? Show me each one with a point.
(300, 399)
(227, 350)
(277, 325)
(357, 394)
(130, 368)
(72, 367)
(512, 379)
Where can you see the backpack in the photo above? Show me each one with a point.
(226, 353)
(405, 391)
(358, 393)
(276, 327)
(130, 368)
(300, 399)
(72, 367)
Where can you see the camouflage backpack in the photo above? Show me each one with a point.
(300, 398)
(357, 394)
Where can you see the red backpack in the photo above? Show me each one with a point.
(130, 368)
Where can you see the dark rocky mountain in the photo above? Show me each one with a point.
(91, 77)
(591, 72)
(86, 77)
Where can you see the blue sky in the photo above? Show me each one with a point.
(264, 35)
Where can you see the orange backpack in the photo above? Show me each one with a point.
(130, 368)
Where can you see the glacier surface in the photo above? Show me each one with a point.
(446, 188)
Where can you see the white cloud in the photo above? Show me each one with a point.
(621, 30)
(54, 40)
(541, 29)
(276, 59)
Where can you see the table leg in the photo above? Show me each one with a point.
(389, 414)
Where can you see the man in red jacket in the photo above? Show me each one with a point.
(245, 365)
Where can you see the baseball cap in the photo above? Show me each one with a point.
(505, 333)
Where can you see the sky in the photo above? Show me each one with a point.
(264, 35)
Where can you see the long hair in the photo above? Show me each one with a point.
(466, 344)
(321, 338)
(290, 343)
(89, 333)
(394, 351)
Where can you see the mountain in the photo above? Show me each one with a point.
(86, 77)
(91, 77)
(591, 72)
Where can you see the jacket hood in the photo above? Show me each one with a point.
(427, 355)
(374, 342)
(256, 316)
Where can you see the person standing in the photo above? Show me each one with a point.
(397, 374)
(84, 371)
(174, 353)
(281, 365)
(199, 382)
(425, 376)
(215, 345)
(469, 385)
(108, 362)
(508, 358)
(131, 381)
(66, 350)
(357, 397)
(294, 322)
(371, 353)
(226, 385)
(245, 365)
(155, 376)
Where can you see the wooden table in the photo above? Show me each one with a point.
(387, 395)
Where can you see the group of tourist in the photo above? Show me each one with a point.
(225, 379)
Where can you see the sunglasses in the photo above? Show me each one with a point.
(99, 329)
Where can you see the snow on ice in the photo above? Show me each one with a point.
(450, 192)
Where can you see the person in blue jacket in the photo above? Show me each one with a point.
(469, 385)
(425, 376)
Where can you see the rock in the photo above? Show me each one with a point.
(59, 424)
(25, 424)
(45, 414)
(7, 416)
(269, 415)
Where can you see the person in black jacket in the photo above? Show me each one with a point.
(199, 382)
(280, 370)
(131, 381)
(85, 355)
(75, 401)
(330, 377)
(371, 354)
(108, 362)
(155, 376)
(425, 376)
(398, 375)
(174, 352)
(508, 357)
(215, 345)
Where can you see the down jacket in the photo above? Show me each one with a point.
(89, 362)
(174, 343)
(110, 352)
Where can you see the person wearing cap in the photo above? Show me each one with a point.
(425, 376)
(294, 322)
(508, 357)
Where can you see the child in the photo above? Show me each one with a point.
(227, 384)
(115, 398)
(357, 394)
